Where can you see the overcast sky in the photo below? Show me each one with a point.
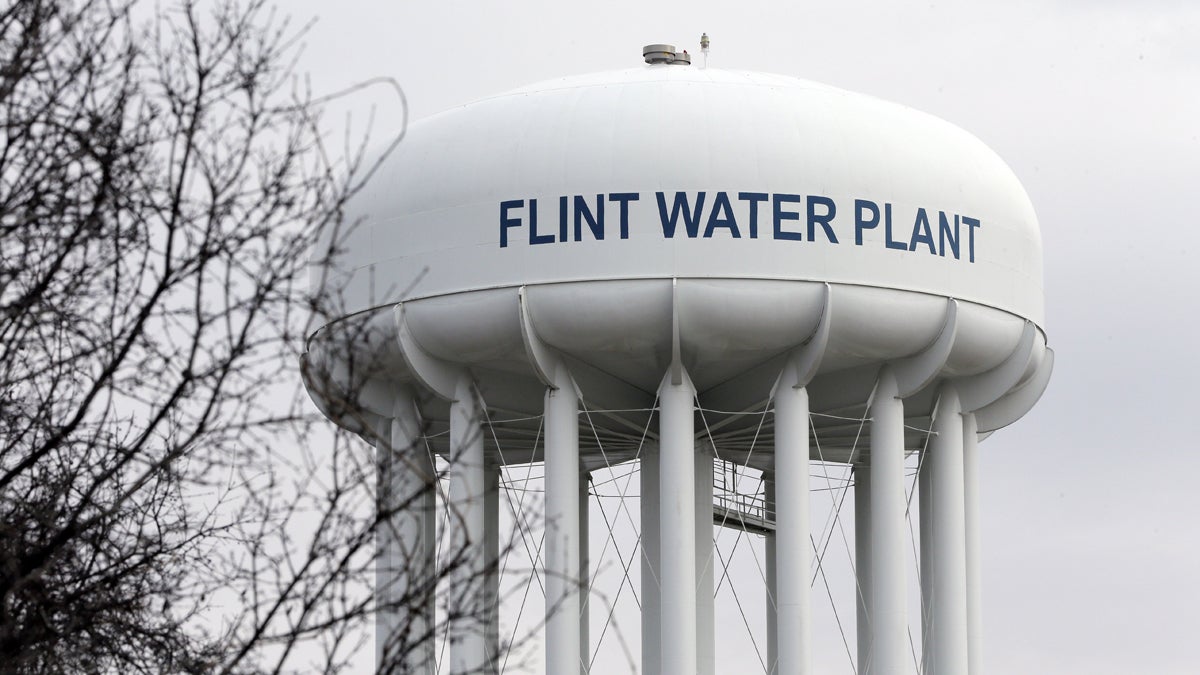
(1090, 503)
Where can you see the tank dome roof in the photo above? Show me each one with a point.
(665, 171)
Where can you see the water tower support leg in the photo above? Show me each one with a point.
(677, 525)
(491, 538)
(927, 563)
(862, 561)
(974, 574)
(947, 526)
(408, 544)
(792, 529)
(651, 567)
(585, 575)
(469, 582)
(889, 605)
(562, 527)
(770, 553)
(705, 562)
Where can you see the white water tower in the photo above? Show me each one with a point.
(651, 242)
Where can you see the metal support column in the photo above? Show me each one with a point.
(925, 553)
(469, 582)
(793, 549)
(889, 604)
(862, 561)
(770, 553)
(705, 611)
(562, 526)
(677, 526)
(651, 565)
(491, 565)
(407, 541)
(585, 574)
(943, 569)
(973, 552)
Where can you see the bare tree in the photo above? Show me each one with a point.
(163, 507)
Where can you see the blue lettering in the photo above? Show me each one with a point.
(562, 219)
(691, 220)
(780, 215)
(971, 224)
(823, 219)
(582, 213)
(820, 213)
(921, 233)
(721, 203)
(534, 237)
(754, 198)
(623, 199)
(506, 222)
(945, 235)
(887, 229)
(860, 223)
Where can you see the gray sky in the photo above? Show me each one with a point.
(1090, 511)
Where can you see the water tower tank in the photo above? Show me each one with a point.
(653, 243)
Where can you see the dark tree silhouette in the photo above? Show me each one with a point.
(166, 502)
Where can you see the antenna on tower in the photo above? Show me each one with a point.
(704, 47)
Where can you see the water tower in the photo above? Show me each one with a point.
(653, 242)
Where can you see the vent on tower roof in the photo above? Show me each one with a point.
(665, 54)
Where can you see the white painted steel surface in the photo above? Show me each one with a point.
(446, 286)
(706, 617)
(974, 546)
(470, 651)
(584, 580)
(431, 218)
(925, 556)
(889, 597)
(862, 564)
(946, 563)
(562, 526)
(407, 559)
(651, 563)
(491, 566)
(677, 527)
(770, 554)
(792, 529)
